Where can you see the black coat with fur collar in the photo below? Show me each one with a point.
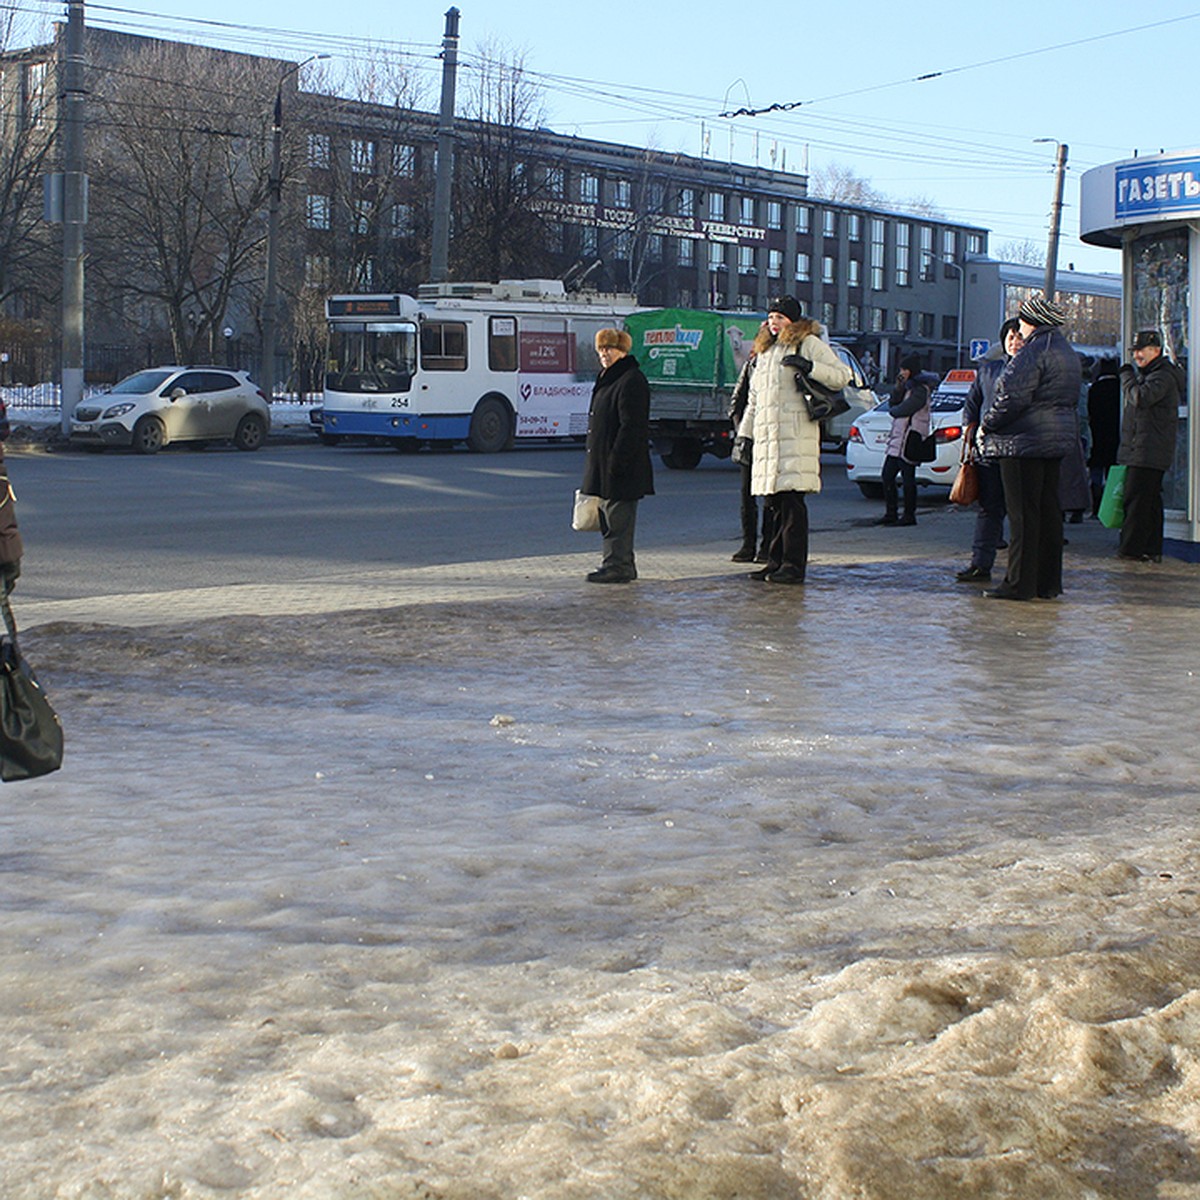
(617, 466)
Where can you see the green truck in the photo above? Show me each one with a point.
(692, 358)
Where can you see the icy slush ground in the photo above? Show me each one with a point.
(865, 890)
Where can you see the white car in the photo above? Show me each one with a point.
(867, 447)
(836, 431)
(160, 405)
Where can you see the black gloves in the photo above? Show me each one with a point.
(798, 361)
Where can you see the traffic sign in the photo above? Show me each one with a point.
(979, 347)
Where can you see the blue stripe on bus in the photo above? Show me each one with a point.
(393, 424)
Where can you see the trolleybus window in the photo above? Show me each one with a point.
(444, 346)
(374, 356)
(502, 343)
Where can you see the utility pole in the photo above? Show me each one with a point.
(270, 309)
(1060, 170)
(74, 215)
(439, 260)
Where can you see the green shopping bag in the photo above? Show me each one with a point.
(1112, 503)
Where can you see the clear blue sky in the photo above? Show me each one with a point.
(1107, 78)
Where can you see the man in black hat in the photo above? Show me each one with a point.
(1151, 396)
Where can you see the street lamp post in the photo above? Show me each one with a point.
(275, 193)
(1060, 169)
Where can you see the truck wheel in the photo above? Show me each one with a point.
(491, 427)
(684, 455)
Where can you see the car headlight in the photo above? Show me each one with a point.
(117, 410)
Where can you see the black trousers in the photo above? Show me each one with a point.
(1142, 529)
(908, 473)
(750, 536)
(618, 519)
(788, 513)
(1035, 539)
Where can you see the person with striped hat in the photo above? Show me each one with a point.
(1030, 426)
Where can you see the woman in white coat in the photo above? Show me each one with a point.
(787, 444)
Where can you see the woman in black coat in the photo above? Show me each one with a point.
(617, 467)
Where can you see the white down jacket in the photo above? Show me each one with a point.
(787, 445)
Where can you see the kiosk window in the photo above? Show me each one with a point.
(444, 346)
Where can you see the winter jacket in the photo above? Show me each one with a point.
(617, 466)
(1035, 412)
(10, 538)
(740, 396)
(1104, 420)
(909, 409)
(1151, 413)
(787, 444)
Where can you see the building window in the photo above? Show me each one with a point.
(362, 156)
(853, 318)
(656, 196)
(654, 247)
(774, 264)
(774, 214)
(747, 212)
(587, 239)
(716, 206)
(319, 153)
(950, 328)
(901, 320)
(316, 271)
(687, 252)
(622, 245)
(854, 227)
(828, 267)
(828, 315)
(878, 320)
(926, 271)
(687, 202)
(974, 243)
(364, 275)
(803, 267)
(402, 220)
(829, 223)
(621, 193)
(878, 254)
(716, 256)
(360, 218)
(746, 260)
(318, 212)
(854, 273)
(925, 325)
(404, 160)
(745, 303)
(903, 255)
(949, 244)
(803, 218)
(589, 189)
(555, 182)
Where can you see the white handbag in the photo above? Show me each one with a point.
(586, 517)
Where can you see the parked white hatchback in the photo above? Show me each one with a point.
(160, 405)
(866, 449)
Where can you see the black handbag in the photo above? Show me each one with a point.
(743, 451)
(31, 736)
(820, 401)
(918, 449)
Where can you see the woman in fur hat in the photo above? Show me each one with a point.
(787, 444)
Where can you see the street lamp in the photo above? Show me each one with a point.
(1060, 169)
(275, 190)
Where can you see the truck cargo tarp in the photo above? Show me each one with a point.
(691, 349)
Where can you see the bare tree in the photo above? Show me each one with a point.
(841, 184)
(1024, 251)
(179, 162)
(499, 230)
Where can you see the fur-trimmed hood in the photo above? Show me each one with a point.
(790, 335)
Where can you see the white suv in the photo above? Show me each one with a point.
(175, 404)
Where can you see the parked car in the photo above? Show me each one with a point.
(161, 405)
(835, 432)
(867, 446)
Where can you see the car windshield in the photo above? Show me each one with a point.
(141, 383)
(951, 403)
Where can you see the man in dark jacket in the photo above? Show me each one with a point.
(1152, 395)
(1032, 423)
(617, 465)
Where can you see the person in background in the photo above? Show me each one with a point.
(1031, 424)
(11, 547)
(1104, 424)
(752, 548)
(617, 462)
(1074, 490)
(909, 409)
(787, 444)
(989, 523)
(1148, 429)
